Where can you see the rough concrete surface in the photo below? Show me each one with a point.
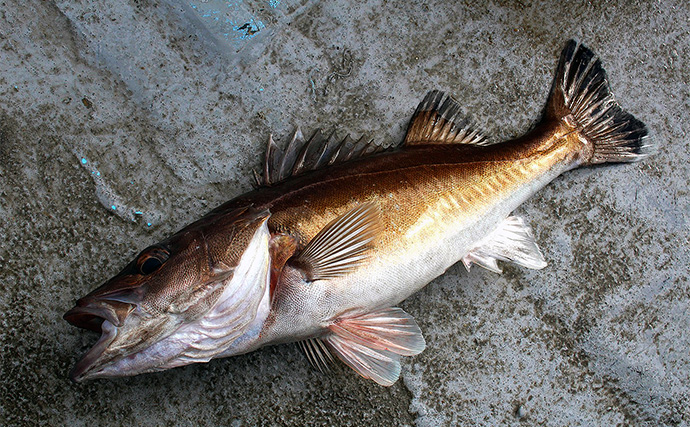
(117, 115)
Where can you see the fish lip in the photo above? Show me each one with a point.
(89, 317)
(88, 366)
(89, 313)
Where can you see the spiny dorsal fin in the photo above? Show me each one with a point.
(278, 164)
(319, 151)
(511, 241)
(372, 343)
(437, 120)
(341, 245)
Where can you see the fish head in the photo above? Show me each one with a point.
(184, 300)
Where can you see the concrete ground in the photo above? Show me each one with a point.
(121, 122)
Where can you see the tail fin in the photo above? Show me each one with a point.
(581, 93)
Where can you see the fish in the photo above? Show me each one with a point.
(339, 232)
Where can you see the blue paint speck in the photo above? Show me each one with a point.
(138, 213)
(274, 3)
(83, 160)
(98, 173)
(148, 224)
(261, 89)
(114, 207)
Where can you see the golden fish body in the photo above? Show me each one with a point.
(436, 203)
(340, 232)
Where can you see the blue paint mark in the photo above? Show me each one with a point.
(138, 213)
(235, 22)
(114, 207)
(249, 29)
(83, 160)
(98, 173)
(261, 89)
(148, 224)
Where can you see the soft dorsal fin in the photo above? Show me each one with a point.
(319, 151)
(372, 343)
(437, 120)
(511, 241)
(341, 245)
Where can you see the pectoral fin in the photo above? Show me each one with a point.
(372, 344)
(341, 245)
(512, 241)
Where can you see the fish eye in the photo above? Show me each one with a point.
(150, 265)
(151, 260)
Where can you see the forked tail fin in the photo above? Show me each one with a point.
(581, 96)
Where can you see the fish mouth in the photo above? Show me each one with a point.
(99, 316)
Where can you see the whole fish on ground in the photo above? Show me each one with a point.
(340, 232)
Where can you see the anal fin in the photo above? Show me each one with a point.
(372, 344)
(512, 241)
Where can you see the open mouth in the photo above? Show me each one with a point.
(99, 316)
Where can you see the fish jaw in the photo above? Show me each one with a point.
(120, 340)
(84, 368)
(135, 339)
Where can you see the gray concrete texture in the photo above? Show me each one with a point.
(117, 115)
